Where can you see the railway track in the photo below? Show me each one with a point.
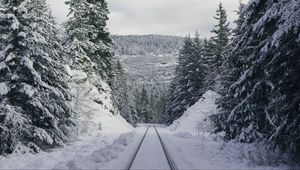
(169, 159)
(137, 150)
(171, 162)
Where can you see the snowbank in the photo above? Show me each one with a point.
(193, 145)
(92, 153)
(192, 152)
(110, 152)
(195, 119)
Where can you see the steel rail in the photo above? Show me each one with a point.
(128, 167)
(167, 154)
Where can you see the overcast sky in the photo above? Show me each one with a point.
(168, 17)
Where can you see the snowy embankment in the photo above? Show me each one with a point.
(192, 145)
(95, 111)
(99, 137)
(195, 119)
(93, 153)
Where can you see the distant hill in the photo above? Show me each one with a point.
(146, 44)
(150, 62)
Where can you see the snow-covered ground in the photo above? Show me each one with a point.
(190, 142)
(93, 152)
(195, 120)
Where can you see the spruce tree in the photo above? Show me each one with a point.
(231, 69)
(265, 87)
(144, 107)
(34, 97)
(220, 39)
(88, 39)
(188, 85)
(120, 93)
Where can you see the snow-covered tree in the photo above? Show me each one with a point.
(146, 44)
(120, 93)
(188, 85)
(34, 94)
(145, 112)
(230, 71)
(88, 40)
(220, 39)
(266, 68)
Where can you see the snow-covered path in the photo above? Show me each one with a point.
(151, 154)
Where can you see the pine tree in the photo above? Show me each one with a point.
(34, 97)
(88, 39)
(188, 85)
(120, 93)
(178, 91)
(220, 39)
(266, 92)
(231, 70)
(240, 20)
(145, 112)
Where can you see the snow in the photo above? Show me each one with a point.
(28, 90)
(22, 34)
(192, 145)
(94, 109)
(15, 23)
(21, 8)
(27, 62)
(4, 89)
(38, 38)
(195, 119)
(79, 155)
(90, 152)
(194, 152)
(43, 135)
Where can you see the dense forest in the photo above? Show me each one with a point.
(146, 44)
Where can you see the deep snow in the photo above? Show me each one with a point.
(193, 146)
(195, 119)
(92, 152)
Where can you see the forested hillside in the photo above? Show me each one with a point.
(149, 62)
(146, 44)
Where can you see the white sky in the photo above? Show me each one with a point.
(167, 17)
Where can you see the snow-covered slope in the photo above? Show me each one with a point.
(195, 120)
(94, 110)
(193, 145)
